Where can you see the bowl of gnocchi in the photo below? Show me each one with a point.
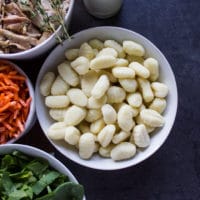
(107, 98)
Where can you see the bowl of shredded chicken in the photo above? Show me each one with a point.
(28, 28)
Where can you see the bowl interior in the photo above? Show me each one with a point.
(166, 76)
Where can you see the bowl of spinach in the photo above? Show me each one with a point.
(28, 173)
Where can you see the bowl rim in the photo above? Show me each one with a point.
(31, 119)
(29, 51)
(175, 94)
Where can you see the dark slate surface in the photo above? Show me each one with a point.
(173, 173)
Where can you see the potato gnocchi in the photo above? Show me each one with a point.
(105, 98)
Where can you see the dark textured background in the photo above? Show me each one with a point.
(173, 173)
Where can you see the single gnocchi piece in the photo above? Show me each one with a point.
(147, 92)
(123, 151)
(57, 113)
(74, 115)
(59, 86)
(96, 103)
(46, 83)
(100, 87)
(134, 99)
(61, 101)
(71, 54)
(152, 118)
(142, 107)
(97, 126)
(160, 89)
(57, 131)
(93, 115)
(152, 65)
(116, 94)
(125, 118)
(96, 44)
(81, 65)
(140, 136)
(88, 81)
(120, 137)
(121, 62)
(123, 72)
(115, 45)
(158, 105)
(86, 145)
(106, 134)
(68, 74)
(109, 114)
(72, 135)
(108, 74)
(86, 51)
(103, 62)
(108, 51)
(117, 106)
(129, 85)
(133, 48)
(77, 97)
(105, 151)
(139, 69)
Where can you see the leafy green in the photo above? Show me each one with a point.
(7, 183)
(37, 167)
(69, 191)
(45, 180)
(23, 177)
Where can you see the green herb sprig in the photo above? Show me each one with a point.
(49, 21)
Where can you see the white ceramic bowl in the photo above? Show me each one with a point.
(35, 152)
(30, 121)
(44, 46)
(166, 76)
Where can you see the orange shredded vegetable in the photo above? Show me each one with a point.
(14, 102)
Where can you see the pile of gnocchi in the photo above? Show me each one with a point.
(105, 98)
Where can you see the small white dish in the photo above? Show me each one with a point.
(31, 119)
(35, 152)
(44, 46)
(166, 76)
(103, 8)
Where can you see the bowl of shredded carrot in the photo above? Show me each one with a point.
(17, 104)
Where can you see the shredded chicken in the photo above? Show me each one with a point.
(44, 36)
(10, 19)
(22, 26)
(13, 9)
(25, 41)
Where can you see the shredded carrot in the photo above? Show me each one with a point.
(15, 102)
